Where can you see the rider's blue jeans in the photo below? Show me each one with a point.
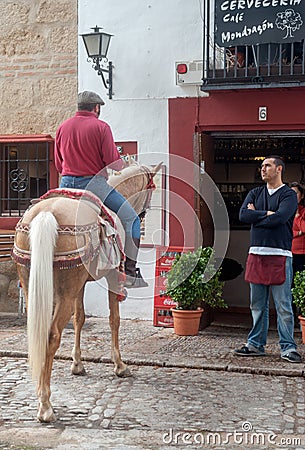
(259, 304)
(110, 197)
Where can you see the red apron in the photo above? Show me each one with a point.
(265, 269)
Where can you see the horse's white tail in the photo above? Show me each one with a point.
(43, 235)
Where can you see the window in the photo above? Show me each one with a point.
(25, 172)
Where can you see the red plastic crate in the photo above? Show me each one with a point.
(165, 257)
(163, 318)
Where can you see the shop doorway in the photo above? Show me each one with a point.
(233, 160)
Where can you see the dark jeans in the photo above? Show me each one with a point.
(259, 304)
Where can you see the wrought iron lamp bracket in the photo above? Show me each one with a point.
(99, 66)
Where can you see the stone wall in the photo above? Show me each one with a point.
(38, 82)
(38, 65)
(9, 293)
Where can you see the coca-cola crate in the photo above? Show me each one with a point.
(165, 257)
(163, 317)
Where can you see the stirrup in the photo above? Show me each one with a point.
(135, 282)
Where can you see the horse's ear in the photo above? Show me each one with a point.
(130, 161)
(156, 168)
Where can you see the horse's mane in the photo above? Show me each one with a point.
(132, 183)
(125, 174)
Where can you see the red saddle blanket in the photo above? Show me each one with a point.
(108, 247)
(80, 194)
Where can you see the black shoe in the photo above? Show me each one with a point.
(293, 357)
(135, 282)
(245, 351)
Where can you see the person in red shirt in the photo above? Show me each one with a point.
(298, 230)
(84, 148)
(298, 241)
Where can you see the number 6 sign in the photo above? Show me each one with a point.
(262, 113)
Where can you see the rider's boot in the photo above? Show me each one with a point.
(134, 278)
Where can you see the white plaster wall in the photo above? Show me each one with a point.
(149, 37)
(139, 303)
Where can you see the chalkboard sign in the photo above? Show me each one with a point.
(248, 22)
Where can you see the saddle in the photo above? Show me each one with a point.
(79, 194)
(104, 242)
(111, 252)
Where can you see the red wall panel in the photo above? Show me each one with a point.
(226, 111)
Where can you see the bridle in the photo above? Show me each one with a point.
(148, 189)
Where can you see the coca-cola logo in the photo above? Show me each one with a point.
(168, 261)
(169, 301)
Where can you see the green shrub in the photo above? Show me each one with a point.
(186, 283)
(298, 292)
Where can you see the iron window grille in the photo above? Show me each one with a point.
(24, 170)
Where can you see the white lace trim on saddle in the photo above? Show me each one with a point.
(102, 238)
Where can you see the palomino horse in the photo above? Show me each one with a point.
(63, 233)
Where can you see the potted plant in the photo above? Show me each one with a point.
(298, 294)
(192, 281)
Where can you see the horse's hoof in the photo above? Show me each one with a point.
(78, 370)
(123, 373)
(82, 373)
(46, 417)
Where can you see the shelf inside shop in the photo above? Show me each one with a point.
(239, 159)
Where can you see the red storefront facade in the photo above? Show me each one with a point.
(231, 112)
(232, 140)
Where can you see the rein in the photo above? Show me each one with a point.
(148, 189)
(141, 198)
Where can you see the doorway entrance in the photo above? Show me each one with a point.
(233, 160)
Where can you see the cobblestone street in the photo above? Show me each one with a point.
(183, 393)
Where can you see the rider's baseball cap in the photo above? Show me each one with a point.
(88, 97)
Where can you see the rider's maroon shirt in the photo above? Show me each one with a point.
(84, 146)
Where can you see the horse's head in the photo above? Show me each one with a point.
(135, 183)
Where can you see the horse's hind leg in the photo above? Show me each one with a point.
(77, 367)
(62, 315)
(45, 409)
(120, 368)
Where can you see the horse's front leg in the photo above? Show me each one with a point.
(77, 367)
(120, 368)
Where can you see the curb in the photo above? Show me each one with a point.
(150, 361)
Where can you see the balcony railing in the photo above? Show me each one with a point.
(251, 65)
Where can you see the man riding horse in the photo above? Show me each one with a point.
(84, 148)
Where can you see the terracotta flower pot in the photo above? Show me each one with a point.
(302, 322)
(186, 323)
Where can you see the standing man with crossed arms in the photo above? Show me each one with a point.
(270, 211)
